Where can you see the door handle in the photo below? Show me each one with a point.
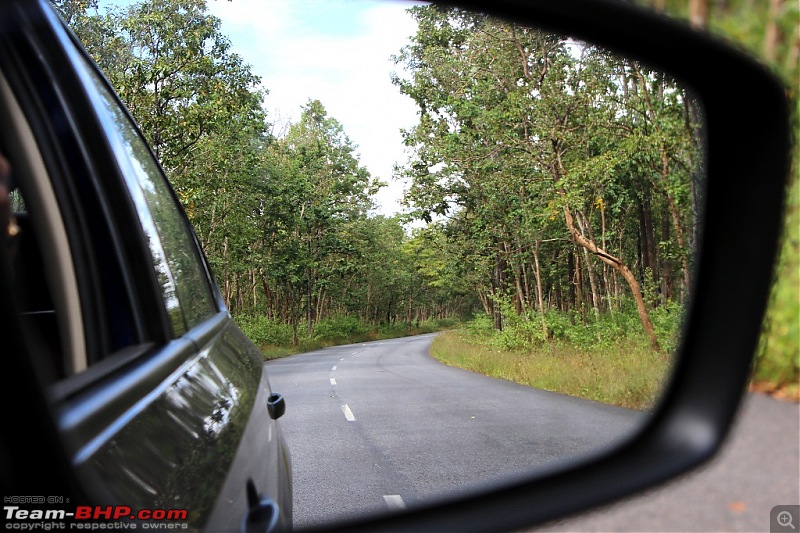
(262, 513)
(276, 405)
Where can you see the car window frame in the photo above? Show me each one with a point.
(134, 170)
(90, 405)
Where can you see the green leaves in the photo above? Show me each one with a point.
(517, 128)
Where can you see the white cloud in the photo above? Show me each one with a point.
(304, 50)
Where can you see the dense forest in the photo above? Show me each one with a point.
(555, 179)
(554, 176)
(569, 177)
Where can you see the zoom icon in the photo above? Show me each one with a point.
(784, 518)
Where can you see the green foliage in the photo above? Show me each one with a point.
(480, 326)
(525, 332)
(539, 149)
(770, 32)
(344, 327)
(284, 220)
(778, 356)
(668, 321)
(265, 332)
(517, 129)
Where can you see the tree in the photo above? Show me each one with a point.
(197, 104)
(320, 191)
(517, 126)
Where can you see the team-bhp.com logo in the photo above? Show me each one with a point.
(95, 517)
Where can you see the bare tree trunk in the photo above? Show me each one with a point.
(539, 296)
(609, 296)
(570, 278)
(665, 170)
(624, 271)
(772, 33)
(579, 290)
(321, 304)
(592, 285)
(698, 14)
(309, 306)
(520, 299)
(586, 230)
(254, 289)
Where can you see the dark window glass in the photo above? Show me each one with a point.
(184, 284)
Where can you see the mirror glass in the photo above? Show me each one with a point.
(524, 203)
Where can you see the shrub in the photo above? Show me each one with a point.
(341, 327)
(481, 326)
(265, 332)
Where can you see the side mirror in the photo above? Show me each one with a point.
(276, 406)
(746, 176)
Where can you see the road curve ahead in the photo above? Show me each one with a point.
(382, 425)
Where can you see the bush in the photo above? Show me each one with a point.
(265, 332)
(481, 326)
(523, 332)
(668, 321)
(342, 327)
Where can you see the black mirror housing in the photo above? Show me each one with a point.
(748, 143)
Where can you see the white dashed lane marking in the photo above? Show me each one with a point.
(333, 381)
(348, 414)
(393, 501)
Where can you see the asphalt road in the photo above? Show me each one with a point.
(381, 425)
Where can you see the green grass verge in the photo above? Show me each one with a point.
(626, 373)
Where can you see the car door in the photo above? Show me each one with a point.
(162, 402)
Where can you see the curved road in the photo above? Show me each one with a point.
(382, 425)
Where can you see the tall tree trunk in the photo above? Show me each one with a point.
(309, 304)
(520, 298)
(579, 285)
(320, 312)
(624, 271)
(592, 285)
(698, 14)
(499, 288)
(648, 251)
(664, 173)
(254, 289)
(570, 278)
(607, 284)
(539, 295)
(587, 230)
(772, 33)
(666, 263)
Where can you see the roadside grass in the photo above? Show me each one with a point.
(275, 338)
(625, 373)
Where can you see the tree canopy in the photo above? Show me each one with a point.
(553, 175)
(567, 173)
